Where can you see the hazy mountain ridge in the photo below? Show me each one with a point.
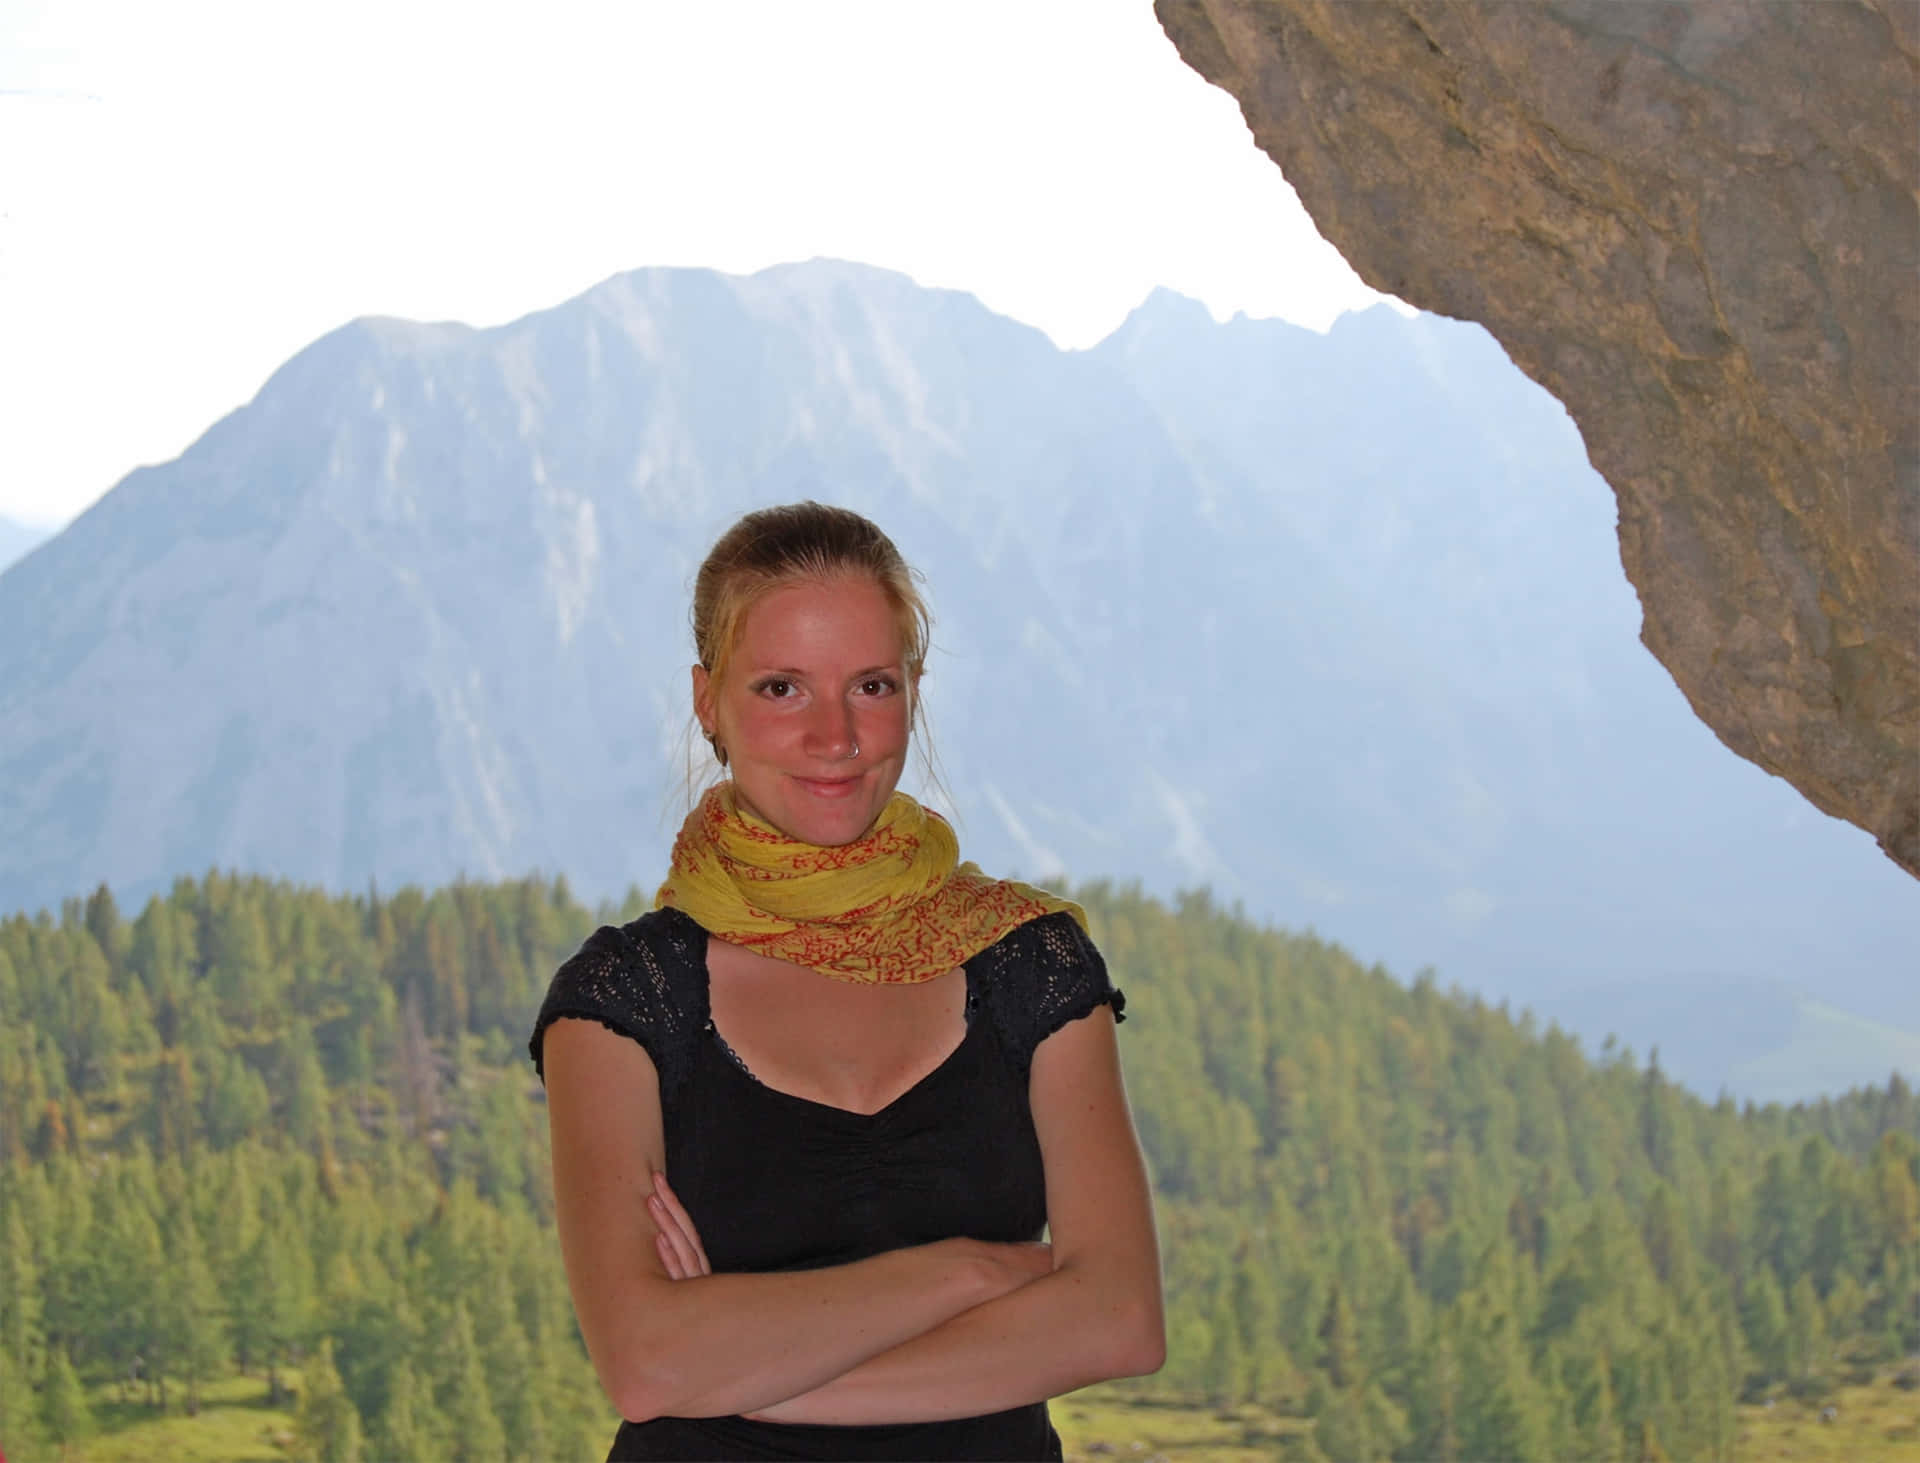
(1334, 624)
(17, 539)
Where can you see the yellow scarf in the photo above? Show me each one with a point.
(895, 908)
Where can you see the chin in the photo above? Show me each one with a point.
(832, 826)
(831, 832)
(806, 817)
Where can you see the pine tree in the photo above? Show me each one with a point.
(1763, 1316)
(1781, 1232)
(409, 1426)
(1838, 1237)
(1601, 1437)
(63, 1405)
(172, 1119)
(20, 1426)
(1340, 1345)
(273, 1303)
(1504, 1412)
(1405, 1334)
(103, 923)
(1844, 1306)
(1806, 1328)
(190, 1326)
(1190, 1347)
(1226, 1360)
(305, 1086)
(1725, 1247)
(507, 1365)
(1340, 1424)
(1896, 1193)
(1664, 1233)
(238, 1104)
(416, 1077)
(327, 1424)
(124, 1288)
(474, 1430)
(240, 958)
(1434, 1401)
(21, 1334)
(575, 1419)
(1256, 1306)
(1651, 1448)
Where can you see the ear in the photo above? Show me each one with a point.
(703, 710)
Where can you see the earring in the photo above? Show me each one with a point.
(719, 747)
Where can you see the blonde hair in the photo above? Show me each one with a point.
(770, 548)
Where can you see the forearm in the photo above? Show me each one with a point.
(667, 1344)
(723, 1344)
(1096, 1315)
(1065, 1330)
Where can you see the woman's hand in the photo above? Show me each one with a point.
(677, 1240)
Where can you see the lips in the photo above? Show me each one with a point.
(828, 787)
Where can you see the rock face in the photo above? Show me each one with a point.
(1696, 225)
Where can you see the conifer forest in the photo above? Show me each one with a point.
(259, 1129)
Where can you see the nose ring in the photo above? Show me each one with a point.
(854, 753)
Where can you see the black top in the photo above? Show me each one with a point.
(778, 1182)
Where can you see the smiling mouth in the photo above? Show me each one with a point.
(828, 786)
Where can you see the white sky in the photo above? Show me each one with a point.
(192, 190)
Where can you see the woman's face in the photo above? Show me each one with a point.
(817, 672)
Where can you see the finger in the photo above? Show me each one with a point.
(672, 1214)
(668, 1214)
(690, 1233)
(685, 1259)
(669, 1235)
(668, 1256)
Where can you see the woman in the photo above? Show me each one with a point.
(811, 1115)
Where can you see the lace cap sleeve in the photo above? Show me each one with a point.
(1041, 976)
(643, 981)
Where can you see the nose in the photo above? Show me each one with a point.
(832, 736)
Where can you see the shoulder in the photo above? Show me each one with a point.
(1038, 977)
(645, 980)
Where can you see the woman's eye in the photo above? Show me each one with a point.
(877, 686)
(778, 689)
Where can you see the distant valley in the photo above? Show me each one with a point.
(1331, 625)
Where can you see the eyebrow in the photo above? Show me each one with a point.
(800, 675)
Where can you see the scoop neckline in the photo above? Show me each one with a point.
(745, 1074)
(712, 1034)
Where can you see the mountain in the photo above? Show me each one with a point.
(1764, 1040)
(1333, 624)
(17, 538)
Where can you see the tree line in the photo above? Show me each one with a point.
(261, 1127)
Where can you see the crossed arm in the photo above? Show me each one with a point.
(951, 1329)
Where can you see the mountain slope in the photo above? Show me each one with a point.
(17, 539)
(1332, 624)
